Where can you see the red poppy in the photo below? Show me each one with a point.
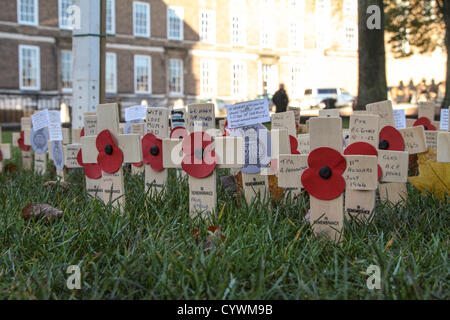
(365, 149)
(110, 157)
(323, 178)
(21, 142)
(425, 122)
(91, 170)
(391, 139)
(178, 133)
(294, 145)
(152, 151)
(138, 164)
(199, 160)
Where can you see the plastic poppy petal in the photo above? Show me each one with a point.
(110, 163)
(194, 141)
(323, 189)
(294, 145)
(178, 133)
(138, 164)
(425, 122)
(155, 161)
(393, 137)
(91, 170)
(327, 157)
(361, 148)
(104, 138)
(21, 142)
(199, 170)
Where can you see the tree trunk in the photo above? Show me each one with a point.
(372, 58)
(446, 13)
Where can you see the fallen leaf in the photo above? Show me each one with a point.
(63, 184)
(390, 243)
(434, 177)
(38, 211)
(10, 168)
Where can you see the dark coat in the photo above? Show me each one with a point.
(281, 100)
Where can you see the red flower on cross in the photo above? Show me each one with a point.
(391, 139)
(323, 178)
(110, 156)
(199, 160)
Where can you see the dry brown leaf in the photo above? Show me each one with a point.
(38, 211)
(63, 184)
(10, 168)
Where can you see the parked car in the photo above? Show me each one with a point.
(326, 98)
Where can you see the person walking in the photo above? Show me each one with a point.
(281, 99)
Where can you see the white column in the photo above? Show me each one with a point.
(86, 61)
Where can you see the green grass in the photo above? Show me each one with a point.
(149, 251)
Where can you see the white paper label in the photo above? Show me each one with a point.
(40, 120)
(54, 127)
(248, 113)
(135, 113)
(400, 119)
(444, 120)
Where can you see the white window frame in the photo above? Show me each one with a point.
(179, 12)
(210, 36)
(38, 68)
(149, 59)
(36, 14)
(241, 29)
(296, 89)
(267, 26)
(112, 29)
(352, 45)
(71, 79)
(242, 85)
(114, 55)
(296, 39)
(181, 71)
(61, 18)
(211, 90)
(148, 26)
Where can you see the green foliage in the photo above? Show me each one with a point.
(414, 26)
(150, 251)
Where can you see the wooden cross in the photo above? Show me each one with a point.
(129, 145)
(443, 147)
(326, 216)
(361, 188)
(394, 164)
(229, 153)
(157, 123)
(5, 151)
(27, 155)
(137, 128)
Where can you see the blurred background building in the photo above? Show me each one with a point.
(175, 52)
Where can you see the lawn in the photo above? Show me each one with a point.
(153, 250)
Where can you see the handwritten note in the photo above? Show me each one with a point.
(54, 126)
(284, 120)
(202, 114)
(444, 120)
(157, 122)
(414, 138)
(431, 138)
(135, 113)
(394, 165)
(70, 155)
(303, 143)
(400, 119)
(248, 113)
(363, 128)
(290, 170)
(361, 172)
(40, 119)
